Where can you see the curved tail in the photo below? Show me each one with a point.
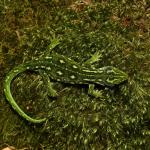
(10, 76)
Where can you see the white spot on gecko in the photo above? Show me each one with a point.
(43, 67)
(47, 57)
(59, 73)
(48, 68)
(100, 80)
(15, 70)
(62, 61)
(72, 77)
(86, 79)
(74, 66)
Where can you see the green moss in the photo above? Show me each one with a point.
(117, 29)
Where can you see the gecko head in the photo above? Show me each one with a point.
(114, 76)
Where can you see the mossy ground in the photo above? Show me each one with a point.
(120, 118)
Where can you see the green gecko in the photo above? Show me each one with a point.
(66, 70)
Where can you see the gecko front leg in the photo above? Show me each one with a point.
(94, 58)
(93, 92)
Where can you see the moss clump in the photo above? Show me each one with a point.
(119, 30)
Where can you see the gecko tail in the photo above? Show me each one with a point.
(7, 91)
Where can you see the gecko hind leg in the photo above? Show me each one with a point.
(46, 80)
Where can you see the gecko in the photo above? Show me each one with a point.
(63, 69)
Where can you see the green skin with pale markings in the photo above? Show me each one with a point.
(63, 69)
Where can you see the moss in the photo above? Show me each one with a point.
(117, 29)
